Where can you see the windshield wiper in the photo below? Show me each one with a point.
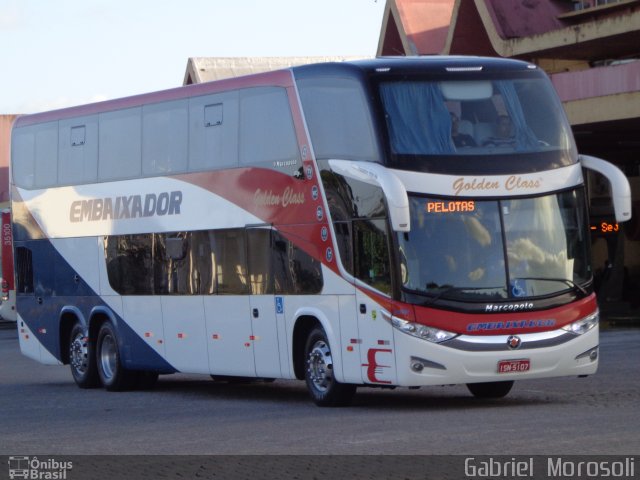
(566, 281)
(450, 289)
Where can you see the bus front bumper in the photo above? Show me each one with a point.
(477, 358)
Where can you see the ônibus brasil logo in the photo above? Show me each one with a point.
(34, 468)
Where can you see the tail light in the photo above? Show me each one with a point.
(5, 290)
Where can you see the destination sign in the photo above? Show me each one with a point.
(450, 207)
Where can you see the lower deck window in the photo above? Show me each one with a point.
(257, 261)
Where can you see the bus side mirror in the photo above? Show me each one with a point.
(392, 187)
(620, 188)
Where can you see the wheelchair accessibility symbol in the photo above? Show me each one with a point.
(279, 305)
(518, 288)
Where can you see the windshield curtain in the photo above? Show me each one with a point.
(412, 106)
(474, 117)
(495, 249)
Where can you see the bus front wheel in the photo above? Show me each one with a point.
(82, 360)
(113, 375)
(490, 389)
(323, 387)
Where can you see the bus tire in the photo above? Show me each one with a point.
(82, 359)
(113, 376)
(322, 385)
(490, 389)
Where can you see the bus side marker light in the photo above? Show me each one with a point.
(182, 336)
(349, 348)
(247, 344)
(215, 336)
(148, 334)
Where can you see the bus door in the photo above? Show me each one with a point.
(372, 266)
(264, 321)
(228, 312)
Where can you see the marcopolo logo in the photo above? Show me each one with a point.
(126, 207)
(508, 307)
(38, 469)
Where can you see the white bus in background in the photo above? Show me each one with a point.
(393, 222)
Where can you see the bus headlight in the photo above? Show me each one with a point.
(584, 324)
(434, 335)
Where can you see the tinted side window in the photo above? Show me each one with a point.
(165, 137)
(24, 270)
(339, 119)
(260, 271)
(231, 262)
(35, 155)
(78, 151)
(184, 264)
(213, 131)
(234, 262)
(23, 153)
(295, 271)
(178, 263)
(46, 160)
(371, 253)
(267, 134)
(120, 144)
(343, 242)
(349, 198)
(130, 263)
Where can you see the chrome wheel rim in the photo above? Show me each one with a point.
(108, 356)
(79, 354)
(320, 366)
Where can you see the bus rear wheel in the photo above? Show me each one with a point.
(490, 389)
(113, 375)
(82, 359)
(323, 387)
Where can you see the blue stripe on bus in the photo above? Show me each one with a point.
(50, 266)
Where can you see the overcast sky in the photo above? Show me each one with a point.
(58, 53)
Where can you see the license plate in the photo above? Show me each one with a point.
(514, 366)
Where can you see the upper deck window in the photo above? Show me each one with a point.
(339, 119)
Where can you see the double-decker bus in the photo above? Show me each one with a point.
(390, 222)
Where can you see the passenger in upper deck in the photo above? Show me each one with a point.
(504, 136)
(460, 139)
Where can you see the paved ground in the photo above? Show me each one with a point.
(44, 413)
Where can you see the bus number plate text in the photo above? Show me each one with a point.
(514, 366)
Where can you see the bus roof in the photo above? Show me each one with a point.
(426, 64)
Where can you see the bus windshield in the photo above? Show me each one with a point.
(495, 249)
(426, 118)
